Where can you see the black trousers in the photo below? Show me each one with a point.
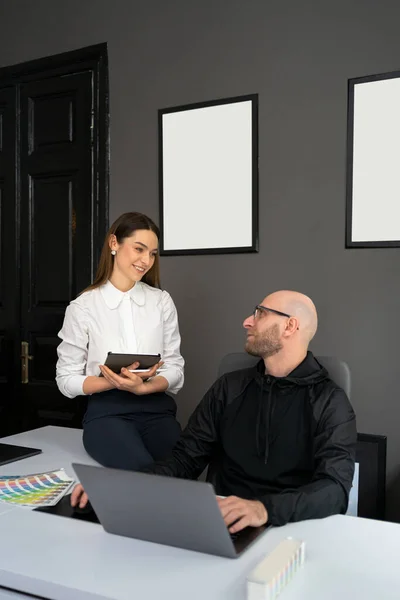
(124, 431)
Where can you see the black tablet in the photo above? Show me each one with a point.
(63, 508)
(116, 361)
(10, 453)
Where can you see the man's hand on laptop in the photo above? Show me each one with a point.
(79, 497)
(239, 513)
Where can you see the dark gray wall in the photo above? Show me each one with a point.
(298, 56)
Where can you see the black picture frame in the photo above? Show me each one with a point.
(352, 83)
(371, 456)
(253, 246)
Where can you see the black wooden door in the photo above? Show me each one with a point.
(52, 166)
(9, 295)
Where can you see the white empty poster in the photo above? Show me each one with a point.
(373, 187)
(209, 177)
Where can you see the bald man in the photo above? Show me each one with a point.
(281, 436)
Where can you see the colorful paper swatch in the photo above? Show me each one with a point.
(34, 491)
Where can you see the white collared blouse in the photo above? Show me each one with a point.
(141, 321)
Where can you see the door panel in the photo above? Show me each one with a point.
(50, 233)
(56, 190)
(53, 216)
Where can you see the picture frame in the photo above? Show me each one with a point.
(208, 177)
(373, 155)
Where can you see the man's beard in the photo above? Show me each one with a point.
(265, 346)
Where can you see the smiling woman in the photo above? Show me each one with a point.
(130, 420)
(131, 237)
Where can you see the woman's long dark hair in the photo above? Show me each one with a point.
(123, 228)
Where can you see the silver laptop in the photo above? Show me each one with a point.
(164, 510)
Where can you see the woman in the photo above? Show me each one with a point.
(130, 420)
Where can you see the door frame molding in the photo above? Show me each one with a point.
(94, 58)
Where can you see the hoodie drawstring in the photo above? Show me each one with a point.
(268, 416)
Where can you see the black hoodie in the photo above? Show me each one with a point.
(288, 442)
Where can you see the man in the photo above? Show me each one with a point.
(280, 436)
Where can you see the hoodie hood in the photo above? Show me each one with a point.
(308, 372)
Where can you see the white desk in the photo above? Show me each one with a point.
(61, 446)
(10, 595)
(64, 559)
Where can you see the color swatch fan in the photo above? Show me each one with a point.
(34, 491)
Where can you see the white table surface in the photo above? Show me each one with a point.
(10, 595)
(63, 559)
(61, 446)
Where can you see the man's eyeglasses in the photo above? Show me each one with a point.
(260, 308)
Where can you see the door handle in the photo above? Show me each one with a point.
(25, 358)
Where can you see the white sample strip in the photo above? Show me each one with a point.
(273, 573)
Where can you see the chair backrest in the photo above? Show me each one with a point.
(338, 370)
